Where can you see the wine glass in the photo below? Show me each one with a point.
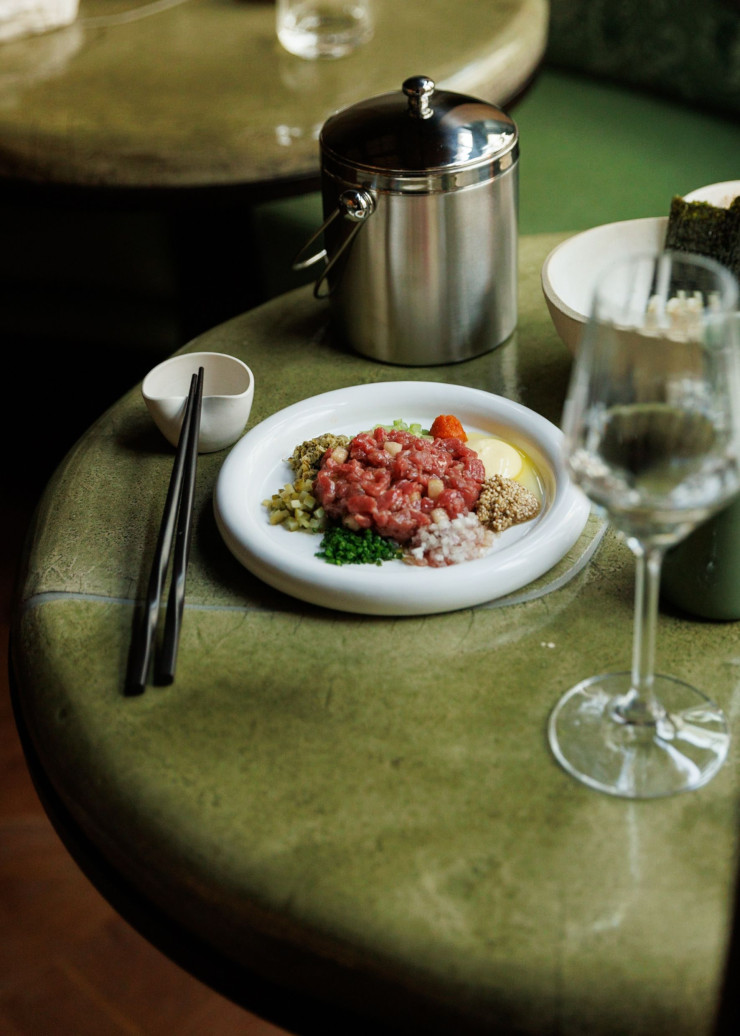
(652, 435)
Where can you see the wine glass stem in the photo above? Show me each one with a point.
(640, 706)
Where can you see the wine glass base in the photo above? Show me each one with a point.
(644, 759)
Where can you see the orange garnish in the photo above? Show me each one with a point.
(446, 426)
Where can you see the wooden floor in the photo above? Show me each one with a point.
(69, 966)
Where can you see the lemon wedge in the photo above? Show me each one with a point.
(499, 457)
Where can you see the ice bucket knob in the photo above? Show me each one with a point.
(419, 89)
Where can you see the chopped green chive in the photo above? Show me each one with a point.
(342, 546)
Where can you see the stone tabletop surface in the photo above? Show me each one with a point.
(374, 798)
(200, 93)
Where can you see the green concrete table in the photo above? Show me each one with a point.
(389, 843)
(200, 93)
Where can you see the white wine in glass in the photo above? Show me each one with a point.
(652, 435)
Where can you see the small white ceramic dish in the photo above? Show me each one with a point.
(719, 194)
(571, 270)
(256, 468)
(228, 391)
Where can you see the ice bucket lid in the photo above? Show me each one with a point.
(418, 138)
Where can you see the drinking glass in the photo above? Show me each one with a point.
(651, 429)
(323, 28)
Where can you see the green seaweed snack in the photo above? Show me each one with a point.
(705, 229)
(342, 546)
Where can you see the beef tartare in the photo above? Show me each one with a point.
(393, 481)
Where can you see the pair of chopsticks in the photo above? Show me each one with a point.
(177, 524)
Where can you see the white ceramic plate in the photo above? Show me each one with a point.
(256, 468)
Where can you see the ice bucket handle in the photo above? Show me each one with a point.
(356, 206)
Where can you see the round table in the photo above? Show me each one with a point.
(138, 94)
(354, 823)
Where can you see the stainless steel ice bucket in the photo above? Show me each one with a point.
(420, 196)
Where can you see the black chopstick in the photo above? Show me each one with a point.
(181, 485)
(165, 669)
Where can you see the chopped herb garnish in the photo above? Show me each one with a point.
(342, 546)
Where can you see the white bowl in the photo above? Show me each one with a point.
(570, 272)
(228, 391)
(719, 194)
